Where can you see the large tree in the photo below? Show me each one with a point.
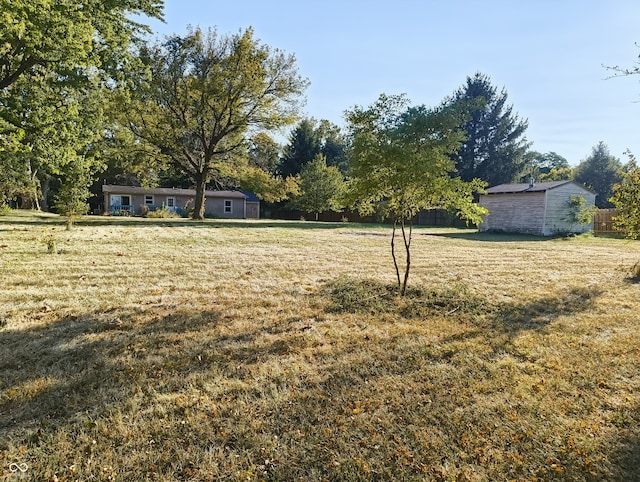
(626, 199)
(600, 171)
(309, 139)
(548, 166)
(60, 128)
(304, 145)
(495, 145)
(401, 164)
(66, 37)
(204, 94)
(57, 57)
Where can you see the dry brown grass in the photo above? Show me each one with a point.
(171, 350)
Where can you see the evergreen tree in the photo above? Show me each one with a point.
(334, 146)
(304, 145)
(495, 145)
(599, 172)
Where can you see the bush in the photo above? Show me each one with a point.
(161, 213)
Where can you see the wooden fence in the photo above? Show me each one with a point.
(603, 223)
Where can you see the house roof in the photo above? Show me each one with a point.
(528, 187)
(169, 191)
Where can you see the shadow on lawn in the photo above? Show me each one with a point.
(89, 221)
(82, 365)
(76, 370)
(491, 236)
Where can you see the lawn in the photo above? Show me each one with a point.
(139, 349)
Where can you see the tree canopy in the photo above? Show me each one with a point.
(205, 93)
(626, 199)
(599, 172)
(321, 187)
(65, 38)
(494, 147)
(57, 59)
(402, 164)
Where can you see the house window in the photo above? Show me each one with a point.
(148, 200)
(125, 200)
(171, 202)
(227, 206)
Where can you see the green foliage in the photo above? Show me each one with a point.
(308, 140)
(68, 39)
(56, 60)
(549, 166)
(626, 199)
(71, 200)
(304, 145)
(600, 171)
(557, 174)
(402, 164)
(162, 213)
(266, 186)
(321, 188)
(263, 152)
(494, 147)
(201, 94)
(579, 213)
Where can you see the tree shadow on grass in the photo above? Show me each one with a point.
(356, 409)
(493, 237)
(85, 364)
(142, 223)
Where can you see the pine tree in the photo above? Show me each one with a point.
(495, 145)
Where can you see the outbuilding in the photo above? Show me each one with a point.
(132, 200)
(543, 209)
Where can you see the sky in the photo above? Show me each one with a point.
(548, 55)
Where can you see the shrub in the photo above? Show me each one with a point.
(161, 213)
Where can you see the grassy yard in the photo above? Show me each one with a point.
(162, 350)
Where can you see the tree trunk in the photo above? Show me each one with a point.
(199, 206)
(393, 251)
(407, 247)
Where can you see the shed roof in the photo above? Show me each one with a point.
(528, 187)
(169, 191)
(251, 197)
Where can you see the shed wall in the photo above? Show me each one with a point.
(514, 213)
(556, 219)
(215, 208)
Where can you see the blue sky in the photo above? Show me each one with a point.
(547, 54)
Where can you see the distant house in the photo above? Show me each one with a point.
(536, 208)
(131, 200)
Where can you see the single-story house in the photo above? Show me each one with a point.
(132, 200)
(541, 208)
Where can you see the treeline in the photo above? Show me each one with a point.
(88, 97)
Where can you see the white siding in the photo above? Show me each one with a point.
(557, 210)
(514, 213)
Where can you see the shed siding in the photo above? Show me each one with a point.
(214, 208)
(516, 213)
(557, 209)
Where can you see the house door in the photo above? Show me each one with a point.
(171, 204)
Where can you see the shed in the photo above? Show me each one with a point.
(541, 208)
(252, 203)
(132, 200)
